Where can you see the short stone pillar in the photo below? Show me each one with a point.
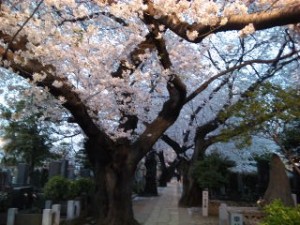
(11, 216)
(56, 212)
(204, 203)
(47, 217)
(48, 204)
(77, 208)
(223, 214)
(70, 210)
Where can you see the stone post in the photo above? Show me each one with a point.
(77, 208)
(11, 215)
(56, 211)
(70, 210)
(204, 203)
(47, 217)
(223, 214)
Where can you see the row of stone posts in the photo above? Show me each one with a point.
(49, 216)
(51, 213)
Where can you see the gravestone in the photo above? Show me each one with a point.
(3, 180)
(22, 174)
(71, 172)
(64, 168)
(85, 172)
(36, 179)
(279, 184)
(54, 169)
(205, 203)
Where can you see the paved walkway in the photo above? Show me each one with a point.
(163, 210)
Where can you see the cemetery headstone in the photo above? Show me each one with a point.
(85, 172)
(54, 169)
(71, 172)
(36, 178)
(48, 204)
(279, 184)
(64, 168)
(22, 174)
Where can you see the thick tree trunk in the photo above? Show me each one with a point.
(119, 190)
(192, 194)
(114, 173)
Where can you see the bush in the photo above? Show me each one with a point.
(278, 214)
(57, 188)
(60, 188)
(212, 171)
(82, 186)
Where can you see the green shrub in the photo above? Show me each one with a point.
(57, 188)
(81, 186)
(278, 214)
(212, 171)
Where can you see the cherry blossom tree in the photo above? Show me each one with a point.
(118, 68)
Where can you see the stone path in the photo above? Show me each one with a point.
(163, 210)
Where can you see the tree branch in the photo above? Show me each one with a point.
(260, 21)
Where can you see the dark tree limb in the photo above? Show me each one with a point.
(262, 20)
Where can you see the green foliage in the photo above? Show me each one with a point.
(27, 140)
(278, 214)
(59, 188)
(81, 186)
(257, 111)
(212, 171)
(290, 137)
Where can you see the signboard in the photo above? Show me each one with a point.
(204, 203)
(236, 219)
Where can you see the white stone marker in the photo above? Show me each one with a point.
(56, 211)
(77, 208)
(204, 203)
(223, 214)
(47, 217)
(236, 219)
(70, 210)
(11, 215)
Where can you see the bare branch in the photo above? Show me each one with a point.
(93, 15)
